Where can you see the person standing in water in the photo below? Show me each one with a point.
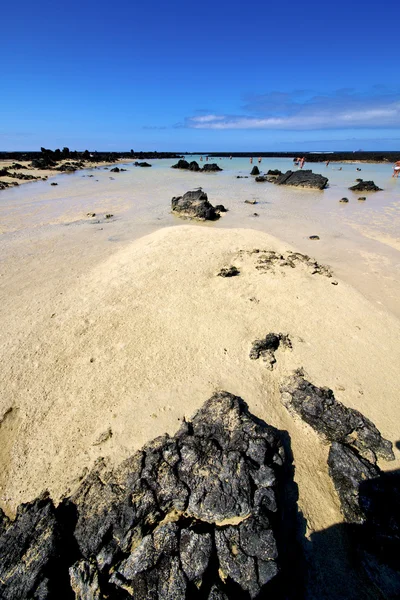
(259, 160)
(396, 169)
(327, 163)
(251, 160)
(302, 161)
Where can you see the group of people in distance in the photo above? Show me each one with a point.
(299, 162)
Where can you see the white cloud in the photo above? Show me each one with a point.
(303, 111)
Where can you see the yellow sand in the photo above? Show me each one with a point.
(147, 335)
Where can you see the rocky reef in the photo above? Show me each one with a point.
(195, 205)
(196, 515)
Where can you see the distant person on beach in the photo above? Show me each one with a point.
(327, 163)
(302, 161)
(201, 159)
(396, 169)
(230, 158)
(259, 160)
(251, 160)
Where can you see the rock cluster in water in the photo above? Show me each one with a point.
(190, 516)
(195, 205)
(194, 166)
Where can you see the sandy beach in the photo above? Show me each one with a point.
(114, 330)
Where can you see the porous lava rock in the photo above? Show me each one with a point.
(365, 186)
(266, 347)
(229, 271)
(333, 420)
(142, 164)
(195, 515)
(195, 205)
(304, 179)
(255, 170)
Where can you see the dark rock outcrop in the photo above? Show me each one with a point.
(114, 170)
(193, 166)
(211, 168)
(43, 163)
(273, 174)
(181, 164)
(261, 179)
(334, 421)
(195, 205)
(255, 170)
(266, 347)
(348, 470)
(142, 164)
(304, 179)
(190, 516)
(31, 553)
(365, 186)
(229, 272)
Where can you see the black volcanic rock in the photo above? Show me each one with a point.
(348, 470)
(266, 347)
(196, 516)
(365, 186)
(195, 205)
(261, 178)
(181, 164)
(211, 168)
(30, 552)
(193, 166)
(142, 164)
(114, 170)
(43, 163)
(255, 170)
(305, 179)
(334, 421)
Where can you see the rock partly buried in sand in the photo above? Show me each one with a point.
(344, 200)
(195, 205)
(142, 164)
(185, 515)
(266, 347)
(261, 179)
(255, 170)
(250, 201)
(334, 421)
(314, 237)
(365, 186)
(115, 170)
(304, 179)
(229, 271)
(362, 198)
(54, 183)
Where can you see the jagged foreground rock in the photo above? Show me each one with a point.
(190, 516)
(330, 418)
(369, 498)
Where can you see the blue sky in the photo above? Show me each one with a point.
(200, 75)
